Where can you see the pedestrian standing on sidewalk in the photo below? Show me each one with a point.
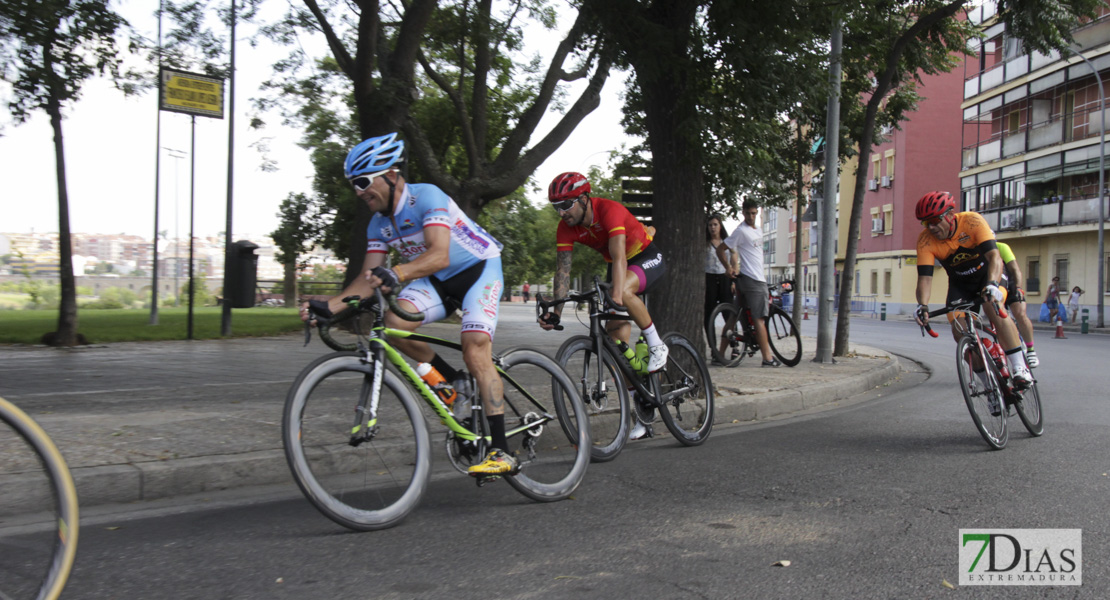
(718, 287)
(751, 287)
(525, 291)
(1052, 299)
(1073, 303)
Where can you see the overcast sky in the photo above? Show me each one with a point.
(110, 156)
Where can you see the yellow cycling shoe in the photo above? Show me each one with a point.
(498, 462)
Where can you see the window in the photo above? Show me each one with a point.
(888, 219)
(874, 282)
(1061, 261)
(1013, 122)
(1033, 276)
(875, 167)
(1069, 116)
(889, 154)
(886, 282)
(770, 219)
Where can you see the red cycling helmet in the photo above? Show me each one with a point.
(567, 186)
(933, 205)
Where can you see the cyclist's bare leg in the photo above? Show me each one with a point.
(478, 356)
(761, 337)
(416, 350)
(622, 330)
(1005, 328)
(1024, 325)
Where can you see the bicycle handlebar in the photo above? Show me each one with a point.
(965, 306)
(543, 307)
(355, 306)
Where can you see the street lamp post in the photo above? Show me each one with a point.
(177, 155)
(1101, 292)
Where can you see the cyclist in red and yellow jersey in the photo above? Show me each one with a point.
(635, 265)
(965, 246)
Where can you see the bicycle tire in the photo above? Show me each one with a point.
(780, 331)
(607, 403)
(724, 324)
(376, 484)
(553, 457)
(685, 391)
(1031, 411)
(991, 427)
(44, 479)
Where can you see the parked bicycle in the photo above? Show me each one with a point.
(985, 380)
(681, 391)
(730, 330)
(35, 562)
(358, 445)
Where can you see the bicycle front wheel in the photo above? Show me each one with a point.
(39, 489)
(603, 393)
(982, 392)
(546, 424)
(685, 392)
(725, 333)
(375, 484)
(784, 337)
(1030, 410)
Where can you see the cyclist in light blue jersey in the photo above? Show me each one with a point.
(451, 262)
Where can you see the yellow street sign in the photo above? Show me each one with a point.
(191, 93)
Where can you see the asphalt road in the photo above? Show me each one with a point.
(864, 501)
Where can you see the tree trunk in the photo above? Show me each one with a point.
(289, 284)
(66, 334)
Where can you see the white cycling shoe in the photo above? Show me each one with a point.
(658, 357)
(1031, 358)
(1022, 378)
(638, 430)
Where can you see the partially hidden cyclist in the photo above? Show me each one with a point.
(746, 242)
(635, 264)
(451, 263)
(966, 248)
(1015, 301)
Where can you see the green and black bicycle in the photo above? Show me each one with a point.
(358, 444)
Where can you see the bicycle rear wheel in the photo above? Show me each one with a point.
(723, 328)
(38, 489)
(1030, 410)
(375, 484)
(547, 426)
(784, 337)
(685, 392)
(603, 393)
(982, 399)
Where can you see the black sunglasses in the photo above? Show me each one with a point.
(564, 205)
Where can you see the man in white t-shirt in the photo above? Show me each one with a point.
(751, 287)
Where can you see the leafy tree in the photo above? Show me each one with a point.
(201, 295)
(445, 74)
(301, 223)
(891, 46)
(48, 49)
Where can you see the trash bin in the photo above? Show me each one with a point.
(242, 274)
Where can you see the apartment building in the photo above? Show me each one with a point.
(1032, 141)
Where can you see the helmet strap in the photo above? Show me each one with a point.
(392, 191)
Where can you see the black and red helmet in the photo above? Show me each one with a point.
(933, 205)
(567, 186)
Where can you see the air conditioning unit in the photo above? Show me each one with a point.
(1008, 221)
(887, 179)
(872, 184)
(877, 225)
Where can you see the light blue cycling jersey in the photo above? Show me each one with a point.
(425, 205)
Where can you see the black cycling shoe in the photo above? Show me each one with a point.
(774, 362)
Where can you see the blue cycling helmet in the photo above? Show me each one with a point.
(373, 156)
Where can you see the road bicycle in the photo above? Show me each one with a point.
(730, 330)
(358, 444)
(35, 562)
(987, 385)
(681, 392)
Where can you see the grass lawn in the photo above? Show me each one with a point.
(130, 325)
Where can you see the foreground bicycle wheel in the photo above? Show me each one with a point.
(784, 337)
(553, 456)
(685, 392)
(1030, 410)
(723, 326)
(39, 490)
(370, 486)
(603, 393)
(982, 399)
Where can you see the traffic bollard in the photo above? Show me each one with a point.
(882, 312)
(1084, 327)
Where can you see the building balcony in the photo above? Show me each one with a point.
(1051, 212)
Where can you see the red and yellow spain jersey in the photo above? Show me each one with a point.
(610, 219)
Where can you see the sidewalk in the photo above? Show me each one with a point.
(146, 420)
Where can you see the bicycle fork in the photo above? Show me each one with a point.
(366, 411)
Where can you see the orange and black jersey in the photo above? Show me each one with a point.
(963, 255)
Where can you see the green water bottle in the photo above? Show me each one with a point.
(630, 354)
(642, 355)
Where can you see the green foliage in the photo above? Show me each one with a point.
(201, 295)
(113, 298)
(320, 273)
